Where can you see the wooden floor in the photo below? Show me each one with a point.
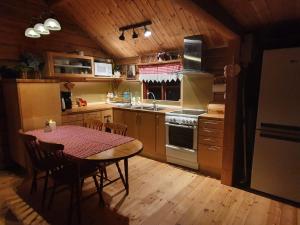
(163, 194)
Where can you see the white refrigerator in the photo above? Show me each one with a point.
(276, 158)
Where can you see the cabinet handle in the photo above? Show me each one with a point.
(209, 122)
(213, 148)
(207, 130)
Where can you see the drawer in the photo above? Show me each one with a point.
(92, 115)
(76, 123)
(215, 141)
(210, 159)
(208, 132)
(72, 118)
(211, 124)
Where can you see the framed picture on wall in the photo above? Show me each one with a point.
(131, 72)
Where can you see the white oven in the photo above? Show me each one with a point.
(181, 139)
(103, 69)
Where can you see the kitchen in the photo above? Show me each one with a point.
(186, 94)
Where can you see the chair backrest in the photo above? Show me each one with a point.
(116, 128)
(93, 124)
(32, 148)
(55, 153)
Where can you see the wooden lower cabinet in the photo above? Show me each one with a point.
(146, 132)
(119, 115)
(160, 144)
(80, 118)
(148, 127)
(130, 118)
(210, 146)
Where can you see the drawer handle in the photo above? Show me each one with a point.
(208, 122)
(213, 148)
(206, 139)
(208, 131)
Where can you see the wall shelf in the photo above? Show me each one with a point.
(160, 62)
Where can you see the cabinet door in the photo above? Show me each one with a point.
(131, 120)
(118, 116)
(146, 130)
(160, 150)
(107, 116)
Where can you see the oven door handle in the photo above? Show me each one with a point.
(179, 125)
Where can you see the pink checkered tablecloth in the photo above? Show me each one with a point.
(79, 141)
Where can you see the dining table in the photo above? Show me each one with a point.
(83, 144)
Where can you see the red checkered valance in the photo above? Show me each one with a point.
(159, 73)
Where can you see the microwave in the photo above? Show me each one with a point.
(103, 69)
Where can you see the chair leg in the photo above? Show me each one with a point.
(33, 183)
(101, 201)
(45, 189)
(52, 195)
(105, 172)
(71, 205)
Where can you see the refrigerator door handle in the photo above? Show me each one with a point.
(280, 136)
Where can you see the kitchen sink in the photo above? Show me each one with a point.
(149, 108)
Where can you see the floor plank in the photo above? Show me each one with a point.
(162, 194)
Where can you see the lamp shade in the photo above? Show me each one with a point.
(52, 24)
(31, 33)
(147, 32)
(40, 28)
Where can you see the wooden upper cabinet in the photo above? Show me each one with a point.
(62, 65)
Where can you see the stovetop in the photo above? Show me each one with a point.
(188, 112)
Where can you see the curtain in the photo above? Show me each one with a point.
(161, 72)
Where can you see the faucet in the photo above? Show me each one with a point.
(154, 100)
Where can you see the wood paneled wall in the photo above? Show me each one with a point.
(3, 134)
(15, 18)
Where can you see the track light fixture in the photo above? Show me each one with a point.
(147, 32)
(134, 34)
(122, 36)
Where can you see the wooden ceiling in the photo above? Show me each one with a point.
(253, 14)
(171, 22)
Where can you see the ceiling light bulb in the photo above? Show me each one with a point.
(147, 32)
(52, 24)
(40, 28)
(134, 34)
(31, 33)
(122, 37)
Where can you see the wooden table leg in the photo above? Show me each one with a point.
(101, 200)
(126, 175)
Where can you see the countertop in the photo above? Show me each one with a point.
(215, 116)
(105, 106)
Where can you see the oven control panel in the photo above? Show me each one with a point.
(181, 120)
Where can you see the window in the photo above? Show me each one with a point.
(165, 90)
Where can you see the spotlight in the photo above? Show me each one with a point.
(122, 37)
(147, 32)
(134, 34)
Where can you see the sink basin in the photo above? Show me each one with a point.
(149, 108)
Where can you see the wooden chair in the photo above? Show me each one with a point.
(116, 128)
(40, 162)
(93, 124)
(120, 129)
(72, 174)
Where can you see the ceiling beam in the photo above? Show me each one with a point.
(215, 15)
